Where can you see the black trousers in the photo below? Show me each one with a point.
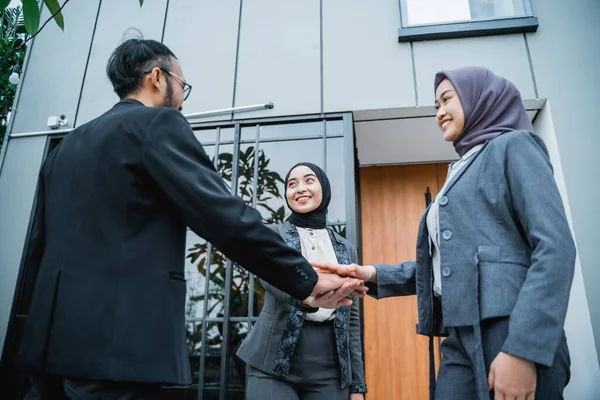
(457, 377)
(51, 387)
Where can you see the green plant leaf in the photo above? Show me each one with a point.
(31, 14)
(53, 7)
(141, 3)
(4, 4)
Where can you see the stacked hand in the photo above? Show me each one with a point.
(365, 273)
(332, 290)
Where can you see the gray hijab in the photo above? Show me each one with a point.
(491, 104)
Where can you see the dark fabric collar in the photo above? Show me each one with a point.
(129, 102)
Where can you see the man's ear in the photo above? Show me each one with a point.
(155, 76)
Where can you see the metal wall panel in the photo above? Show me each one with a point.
(279, 57)
(18, 183)
(364, 67)
(54, 74)
(565, 57)
(116, 16)
(203, 35)
(506, 55)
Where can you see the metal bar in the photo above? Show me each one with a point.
(205, 318)
(254, 201)
(229, 276)
(352, 215)
(324, 136)
(270, 120)
(279, 139)
(41, 133)
(205, 114)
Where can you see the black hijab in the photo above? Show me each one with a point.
(492, 105)
(316, 219)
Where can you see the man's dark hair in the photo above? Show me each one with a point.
(127, 63)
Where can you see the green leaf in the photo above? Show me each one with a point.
(53, 7)
(4, 4)
(31, 14)
(141, 3)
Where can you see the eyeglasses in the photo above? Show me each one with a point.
(187, 88)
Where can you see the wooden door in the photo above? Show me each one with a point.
(392, 203)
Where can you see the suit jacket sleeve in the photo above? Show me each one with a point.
(180, 166)
(278, 294)
(358, 384)
(393, 280)
(536, 322)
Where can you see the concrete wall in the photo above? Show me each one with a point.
(565, 57)
(578, 327)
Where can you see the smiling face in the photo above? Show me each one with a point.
(303, 190)
(450, 116)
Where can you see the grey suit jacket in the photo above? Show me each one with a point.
(506, 250)
(270, 344)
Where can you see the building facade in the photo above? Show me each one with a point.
(351, 87)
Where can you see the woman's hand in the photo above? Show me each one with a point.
(357, 396)
(365, 273)
(512, 378)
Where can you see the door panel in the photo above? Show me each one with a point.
(392, 203)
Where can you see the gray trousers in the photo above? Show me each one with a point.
(458, 381)
(314, 372)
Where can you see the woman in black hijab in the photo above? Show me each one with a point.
(495, 256)
(296, 352)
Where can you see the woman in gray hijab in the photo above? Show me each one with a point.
(495, 256)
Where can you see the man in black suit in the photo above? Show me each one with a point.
(114, 199)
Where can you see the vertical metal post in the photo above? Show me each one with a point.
(229, 276)
(206, 290)
(254, 201)
(324, 129)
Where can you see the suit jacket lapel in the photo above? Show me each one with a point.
(456, 177)
(293, 327)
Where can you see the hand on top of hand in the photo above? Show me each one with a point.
(332, 290)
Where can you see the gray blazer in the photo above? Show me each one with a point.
(270, 344)
(506, 250)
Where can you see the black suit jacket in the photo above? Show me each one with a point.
(114, 199)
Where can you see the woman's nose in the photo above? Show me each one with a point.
(441, 113)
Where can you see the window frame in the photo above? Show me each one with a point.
(463, 29)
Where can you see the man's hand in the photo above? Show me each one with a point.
(331, 291)
(357, 396)
(365, 273)
(512, 378)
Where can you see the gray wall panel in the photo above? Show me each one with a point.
(116, 16)
(578, 327)
(17, 185)
(203, 35)
(53, 78)
(506, 55)
(565, 56)
(364, 65)
(279, 57)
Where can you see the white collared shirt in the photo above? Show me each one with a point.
(317, 247)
